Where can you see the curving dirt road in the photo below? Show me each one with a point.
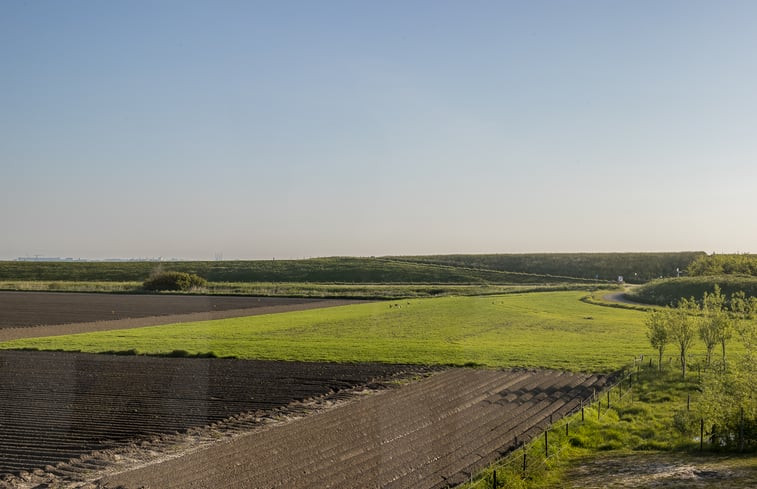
(620, 298)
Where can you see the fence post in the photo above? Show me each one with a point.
(494, 479)
(701, 434)
(566, 429)
(608, 398)
(688, 402)
(546, 444)
(582, 410)
(524, 460)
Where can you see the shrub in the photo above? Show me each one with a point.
(174, 281)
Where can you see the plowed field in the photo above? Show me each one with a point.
(35, 314)
(430, 433)
(47, 308)
(56, 406)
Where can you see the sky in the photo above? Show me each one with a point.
(295, 129)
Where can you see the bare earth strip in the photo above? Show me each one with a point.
(428, 434)
(37, 314)
(657, 470)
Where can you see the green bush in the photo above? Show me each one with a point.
(174, 281)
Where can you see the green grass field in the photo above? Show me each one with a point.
(549, 329)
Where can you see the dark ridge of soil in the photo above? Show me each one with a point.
(57, 406)
(7, 334)
(24, 309)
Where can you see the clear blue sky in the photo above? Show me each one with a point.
(293, 129)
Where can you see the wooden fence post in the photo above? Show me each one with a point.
(582, 410)
(546, 444)
(494, 479)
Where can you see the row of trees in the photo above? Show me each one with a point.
(714, 320)
(728, 388)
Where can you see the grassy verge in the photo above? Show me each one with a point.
(652, 417)
(550, 330)
(289, 289)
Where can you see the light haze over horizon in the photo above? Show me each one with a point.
(296, 129)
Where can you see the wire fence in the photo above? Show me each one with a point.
(535, 448)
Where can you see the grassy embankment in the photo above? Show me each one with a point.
(634, 267)
(344, 270)
(669, 291)
(364, 278)
(551, 329)
(295, 289)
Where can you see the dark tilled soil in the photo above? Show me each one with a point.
(428, 434)
(56, 406)
(23, 309)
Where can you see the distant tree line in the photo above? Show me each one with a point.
(634, 267)
(729, 264)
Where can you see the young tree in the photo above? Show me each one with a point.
(683, 327)
(715, 326)
(729, 395)
(657, 331)
(742, 309)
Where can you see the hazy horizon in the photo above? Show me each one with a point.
(221, 257)
(289, 130)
